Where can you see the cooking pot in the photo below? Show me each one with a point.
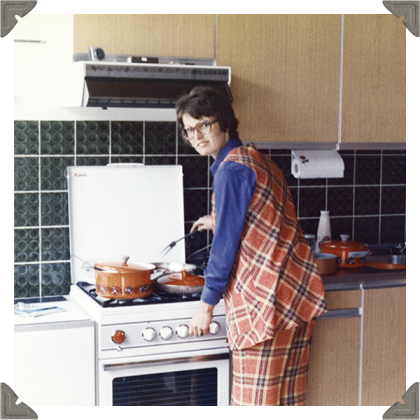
(350, 254)
(181, 283)
(123, 280)
(326, 263)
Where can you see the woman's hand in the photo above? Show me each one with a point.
(203, 223)
(200, 322)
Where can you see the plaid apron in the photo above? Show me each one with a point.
(273, 372)
(274, 284)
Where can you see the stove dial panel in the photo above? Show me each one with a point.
(149, 334)
(214, 328)
(166, 333)
(182, 331)
(118, 336)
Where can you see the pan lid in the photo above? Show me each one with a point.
(349, 246)
(122, 267)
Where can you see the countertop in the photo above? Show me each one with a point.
(366, 277)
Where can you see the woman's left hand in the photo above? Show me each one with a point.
(200, 322)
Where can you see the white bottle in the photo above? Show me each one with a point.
(324, 229)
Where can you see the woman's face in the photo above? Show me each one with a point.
(206, 144)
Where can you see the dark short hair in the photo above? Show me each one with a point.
(205, 101)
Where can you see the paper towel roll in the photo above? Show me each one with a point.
(317, 164)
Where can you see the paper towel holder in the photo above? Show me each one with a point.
(317, 164)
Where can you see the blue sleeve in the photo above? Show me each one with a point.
(233, 187)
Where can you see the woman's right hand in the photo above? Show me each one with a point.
(203, 223)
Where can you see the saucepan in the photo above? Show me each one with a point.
(116, 278)
(181, 283)
(350, 254)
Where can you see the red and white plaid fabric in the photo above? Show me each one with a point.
(275, 284)
(273, 372)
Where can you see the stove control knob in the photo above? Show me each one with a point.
(214, 328)
(149, 334)
(182, 331)
(118, 337)
(166, 333)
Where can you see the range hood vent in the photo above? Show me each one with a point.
(137, 85)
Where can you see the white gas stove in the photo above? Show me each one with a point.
(144, 352)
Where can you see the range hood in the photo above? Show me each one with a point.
(139, 85)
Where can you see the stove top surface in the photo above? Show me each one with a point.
(156, 297)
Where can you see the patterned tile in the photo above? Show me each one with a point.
(393, 200)
(26, 174)
(54, 209)
(55, 279)
(55, 244)
(367, 200)
(340, 201)
(126, 138)
(160, 138)
(368, 170)
(195, 170)
(160, 160)
(26, 209)
(195, 204)
(26, 247)
(366, 229)
(53, 172)
(92, 160)
(394, 169)
(26, 137)
(311, 201)
(92, 137)
(127, 159)
(57, 137)
(393, 229)
(26, 278)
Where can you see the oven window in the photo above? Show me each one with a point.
(189, 387)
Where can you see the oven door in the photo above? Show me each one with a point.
(188, 378)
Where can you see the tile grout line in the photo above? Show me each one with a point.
(40, 211)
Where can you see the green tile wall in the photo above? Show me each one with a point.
(369, 203)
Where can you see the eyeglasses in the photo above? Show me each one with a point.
(202, 127)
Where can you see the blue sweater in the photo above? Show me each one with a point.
(233, 187)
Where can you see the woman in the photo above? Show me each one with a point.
(260, 261)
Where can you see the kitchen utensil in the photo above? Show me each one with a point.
(172, 244)
(181, 283)
(172, 267)
(120, 280)
(326, 263)
(86, 263)
(350, 254)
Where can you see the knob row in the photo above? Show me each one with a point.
(165, 333)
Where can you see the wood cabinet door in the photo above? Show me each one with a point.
(373, 108)
(334, 359)
(155, 35)
(384, 346)
(285, 75)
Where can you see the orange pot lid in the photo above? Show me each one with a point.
(119, 267)
(349, 246)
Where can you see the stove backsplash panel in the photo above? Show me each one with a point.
(368, 203)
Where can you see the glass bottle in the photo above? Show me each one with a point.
(324, 229)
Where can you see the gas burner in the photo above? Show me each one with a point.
(154, 298)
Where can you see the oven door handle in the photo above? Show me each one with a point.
(207, 358)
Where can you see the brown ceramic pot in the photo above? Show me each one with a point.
(350, 254)
(117, 280)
